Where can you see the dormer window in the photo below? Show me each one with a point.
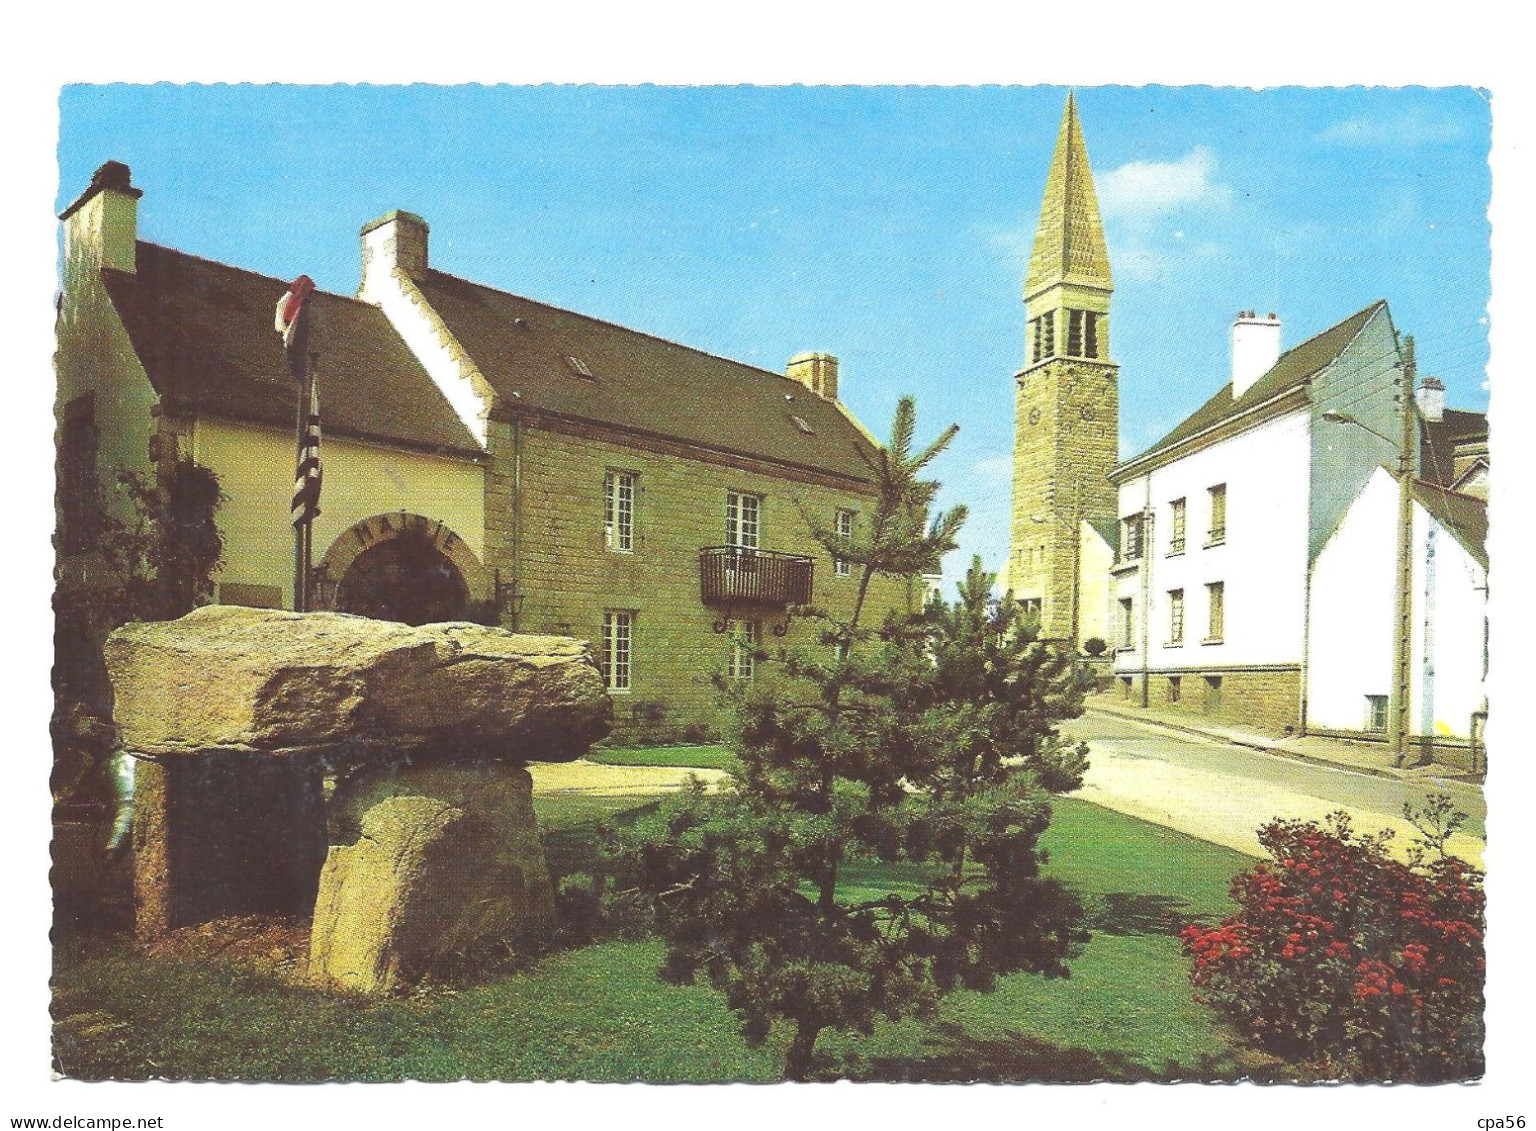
(579, 367)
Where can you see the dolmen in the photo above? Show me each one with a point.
(368, 773)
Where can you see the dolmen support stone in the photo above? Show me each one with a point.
(432, 861)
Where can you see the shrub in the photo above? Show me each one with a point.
(1095, 646)
(1344, 958)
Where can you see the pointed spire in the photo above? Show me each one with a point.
(1069, 243)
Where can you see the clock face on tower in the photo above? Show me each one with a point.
(1034, 416)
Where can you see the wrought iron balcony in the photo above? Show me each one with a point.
(732, 575)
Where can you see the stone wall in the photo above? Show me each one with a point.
(1267, 699)
(566, 578)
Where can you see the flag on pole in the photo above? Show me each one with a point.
(292, 322)
(306, 483)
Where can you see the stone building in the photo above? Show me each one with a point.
(486, 456)
(1066, 409)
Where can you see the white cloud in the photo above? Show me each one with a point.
(1405, 131)
(1141, 190)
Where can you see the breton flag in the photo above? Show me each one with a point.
(306, 483)
(292, 322)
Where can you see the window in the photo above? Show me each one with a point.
(744, 636)
(1044, 336)
(743, 520)
(1131, 528)
(618, 640)
(619, 511)
(579, 367)
(78, 441)
(1213, 693)
(1376, 713)
(1216, 594)
(842, 525)
(1176, 531)
(1127, 623)
(1218, 495)
(1174, 688)
(801, 423)
(1082, 333)
(1175, 616)
(1033, 608)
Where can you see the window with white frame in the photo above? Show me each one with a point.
(619, 511)
(743, 520)
(842, 526)
(1176, 527)
(1376, 713)
(1218, 528)
(1131, 529)
(618, 650)
(1127, 624)
(1216, 597)
(1175, 616)
(744, 636)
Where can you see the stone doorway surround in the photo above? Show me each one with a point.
(400, 542)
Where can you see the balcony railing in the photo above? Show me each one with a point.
(733, 575)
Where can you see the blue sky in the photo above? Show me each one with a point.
(887, 225)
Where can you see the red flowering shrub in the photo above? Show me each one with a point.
(1345, 958)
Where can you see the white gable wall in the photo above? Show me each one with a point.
(1350, 649)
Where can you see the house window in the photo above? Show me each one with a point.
(619, 511)
(1216, 595)
(1176, 533)
(1174, 688)
(618, 642)
(743, 520)
(1127, 624)
(1131, 529)
(1376, 713)
(842, 526)
(1175, 616)
(744, 636)
(1218, 495)
(78, 443)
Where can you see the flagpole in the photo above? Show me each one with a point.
(301, 529)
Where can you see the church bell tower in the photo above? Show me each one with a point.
(1066, 404)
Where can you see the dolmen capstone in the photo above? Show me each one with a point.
(425, 860)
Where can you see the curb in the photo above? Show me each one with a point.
(1283, 752)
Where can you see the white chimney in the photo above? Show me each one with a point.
(1431, 399)
(101, 228)
(1255, 349)
(396, 239)
(816, 371)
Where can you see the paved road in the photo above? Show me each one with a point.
(1223, 793)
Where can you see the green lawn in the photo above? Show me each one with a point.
(600, 1012)
(689, 757)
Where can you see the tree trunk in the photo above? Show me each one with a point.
(797, 1065)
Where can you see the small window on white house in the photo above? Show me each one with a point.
(619, 511)
(1376, 713)
(743, 520)
(1176, 527)
(744, 636)
(842, 524)
(1127, 624)
(618, 644)
(1216, 596)
(1218, 528)
(1131, 528)
(1175, 616)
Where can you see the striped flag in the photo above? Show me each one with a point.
(306, 483)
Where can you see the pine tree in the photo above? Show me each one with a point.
(886, 745)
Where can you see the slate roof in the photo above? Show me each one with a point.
(1465, 516)
(1296, 366)
(1069, 242)
(203, 332)
(1441, 438)
(642, 383)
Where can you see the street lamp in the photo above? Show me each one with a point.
(1402, 615)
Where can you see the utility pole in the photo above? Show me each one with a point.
(1402, 618)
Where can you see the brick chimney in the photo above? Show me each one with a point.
(396, 239)
(816, 371)
(1255, 349)
(101, 228)
(1431, 399)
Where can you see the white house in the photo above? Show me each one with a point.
(1349, 659)
(1222, 519)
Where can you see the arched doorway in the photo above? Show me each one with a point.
(403, 567)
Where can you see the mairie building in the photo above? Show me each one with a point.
(486, 456)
